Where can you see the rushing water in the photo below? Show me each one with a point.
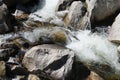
(45, 11)
(93, 47)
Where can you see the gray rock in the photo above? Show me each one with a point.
(5, 20)
(76, 17)
(103, 9)
(54, 60)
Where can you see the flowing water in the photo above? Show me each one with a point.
(45, 11)
(90, 47)
(93, 47)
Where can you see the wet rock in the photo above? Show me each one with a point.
(54, 60)
(63, 4)
(94, 76)
(75, 17)
(14, 70)
(7, 50)
(22, 43)
(103, 9)
(2, 69)
(59, 36)
(115, 31)
(20, 15)
(5, 19)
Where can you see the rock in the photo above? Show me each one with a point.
(53, 59)
(7, 50)
(42, 75)
(75, 17)
(2, 69)
(63, 4)
(114, 34)
(20, 15)
(94, 76)
(59, 36)
(103, 9)
(118, 49)
(5, 19)
(33, 77)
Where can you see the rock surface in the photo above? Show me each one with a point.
(54, 60)
(114, 34)
(5, 19)
(64, 4)
(2, 69)
(103, 9)
(75, 17)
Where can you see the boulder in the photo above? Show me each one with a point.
(5, 19)
(76, 18)
(103, 8)
(55, 60)
(114, 34)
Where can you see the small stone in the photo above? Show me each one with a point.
(33, 77)
(2, 69)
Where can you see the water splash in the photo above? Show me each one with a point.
(93, 47)
(46, 10)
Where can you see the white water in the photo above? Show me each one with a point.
(92, 47)
(47, 11)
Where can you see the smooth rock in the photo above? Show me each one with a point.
(114, 34)
(55, 60)
(103, 8)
